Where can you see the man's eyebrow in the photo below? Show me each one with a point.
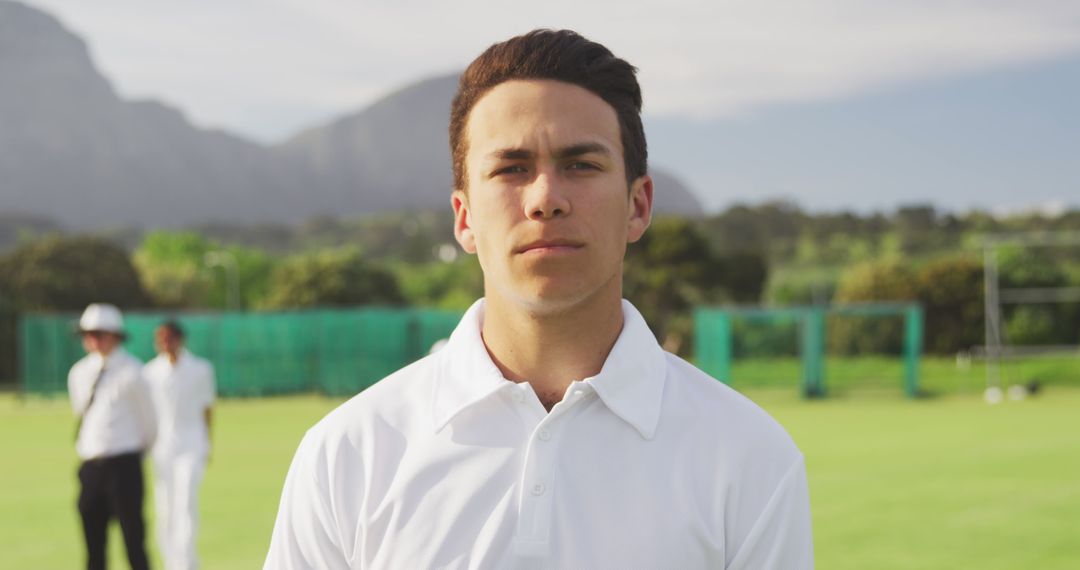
(511, 154)
(580, 149)
(562, 153)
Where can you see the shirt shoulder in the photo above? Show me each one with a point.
(202, 365)
(207, 384)
(82, 366)
(364, 434)
(82, 372)
(153, 366)
(721, 412)
(377, 422)
(128, 369)
(125, 360)
(401, 402)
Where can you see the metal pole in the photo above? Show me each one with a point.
(913, 341)
(813, 352)
(992, 317)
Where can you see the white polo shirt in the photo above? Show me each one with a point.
(446, 464)
(121, 419)
(181, 393)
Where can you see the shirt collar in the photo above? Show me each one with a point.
(100, 361)
(630, 384)
(181, 357)
(466, 373)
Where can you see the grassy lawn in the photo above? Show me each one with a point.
(947, 482)
(938, 375)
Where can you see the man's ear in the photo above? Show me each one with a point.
(641, 200)
(459, 201)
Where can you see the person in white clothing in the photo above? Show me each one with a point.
(182, 386)
(552, 431)
(115, 426)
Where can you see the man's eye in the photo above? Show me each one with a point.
(582, 166)
(515, 169)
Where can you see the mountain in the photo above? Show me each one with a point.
(396, 152)
(73, 151)
(391, 155)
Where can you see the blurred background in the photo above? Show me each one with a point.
(867, 220)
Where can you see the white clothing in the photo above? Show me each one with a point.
(121, 419)
(176, 500)
(446, 464)
(181, 393)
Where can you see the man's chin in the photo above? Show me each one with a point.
(553, 298)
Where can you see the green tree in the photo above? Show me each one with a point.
(174, 268)
(865, 283)
(917, 228)
(331, 278)
(951, 293)
(68, 273)
(1051, 323)
(672, 269)
(62, 274)
(443, 285)
(743, 275)
(171, 265)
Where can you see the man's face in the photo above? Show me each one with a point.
(100, 342)
(547, 209)
(165, 341)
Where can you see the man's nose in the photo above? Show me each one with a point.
(546, 197)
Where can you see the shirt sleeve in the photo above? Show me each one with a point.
(143, 403)
(781, 538)
(305, 533)
(210, 387)
(73, 398)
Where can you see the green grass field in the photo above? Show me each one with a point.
(883, 375)
(947, 482)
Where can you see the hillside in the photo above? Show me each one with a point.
(75, 152)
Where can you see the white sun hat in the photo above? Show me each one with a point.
(102, 317)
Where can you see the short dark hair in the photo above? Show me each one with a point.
(561, 55)
(174, 328)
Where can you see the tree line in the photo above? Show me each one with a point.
(773, 253)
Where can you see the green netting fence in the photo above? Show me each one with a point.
(333, 351)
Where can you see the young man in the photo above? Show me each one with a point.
(115, 425)
(552, 431)
(182, 386)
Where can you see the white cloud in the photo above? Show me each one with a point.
(267, 67)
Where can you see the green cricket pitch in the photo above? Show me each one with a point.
(944, 483)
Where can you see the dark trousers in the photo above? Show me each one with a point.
(113, 487)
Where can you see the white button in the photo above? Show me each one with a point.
(577, 393)
(538, 489)
(544, 434)
(517, 395)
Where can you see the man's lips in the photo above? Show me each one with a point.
(549, 246)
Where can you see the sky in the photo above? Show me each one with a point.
(269, 68)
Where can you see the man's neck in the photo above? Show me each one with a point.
(549, 351)
(173, 356)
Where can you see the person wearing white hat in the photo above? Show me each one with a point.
(182, 387)
(116, 425)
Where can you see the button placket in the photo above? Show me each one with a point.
(538, 482)
(538, 477)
